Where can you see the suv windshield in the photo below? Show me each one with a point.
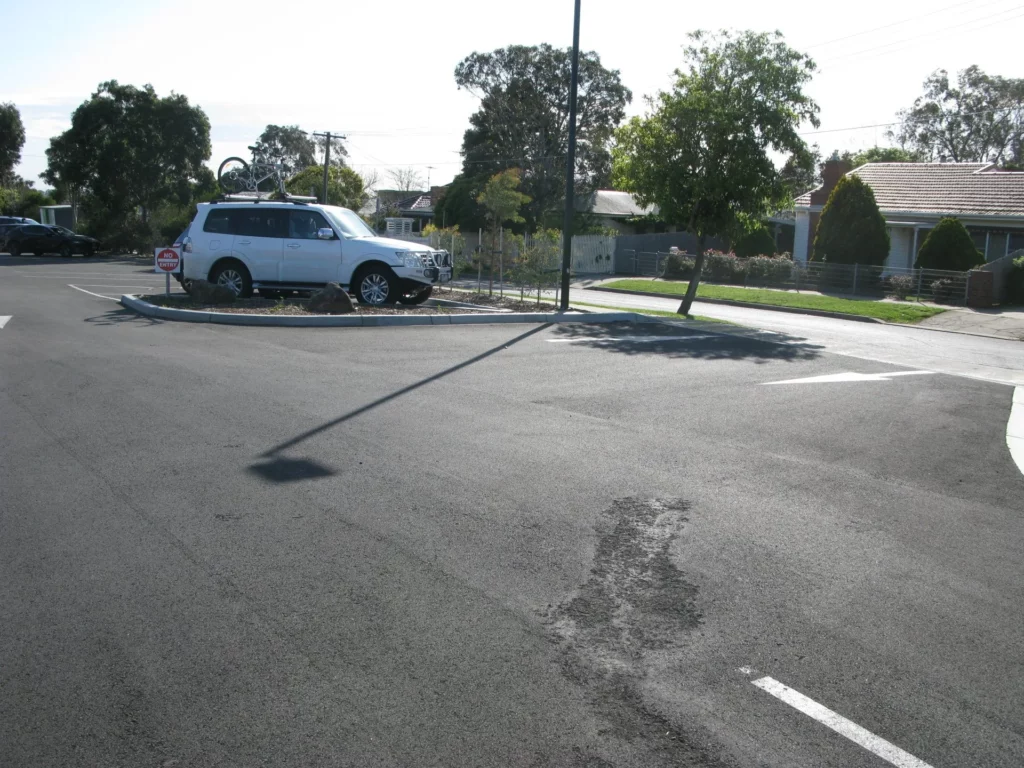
(348, 223)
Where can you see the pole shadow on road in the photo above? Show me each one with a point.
(683, 342)
(285, 470)
(272, 452)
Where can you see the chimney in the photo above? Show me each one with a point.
(833, 170)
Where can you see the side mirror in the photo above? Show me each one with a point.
(326, 233)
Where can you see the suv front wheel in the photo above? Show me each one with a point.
(234, 276)
(376, 286)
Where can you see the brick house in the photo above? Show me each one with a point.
(914, 196)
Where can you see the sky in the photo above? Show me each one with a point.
(382, 73)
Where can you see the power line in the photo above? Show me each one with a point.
(896, 23)
(958, 27)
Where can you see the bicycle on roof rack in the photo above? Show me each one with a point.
(236, 176)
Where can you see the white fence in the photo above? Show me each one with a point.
(593, 254)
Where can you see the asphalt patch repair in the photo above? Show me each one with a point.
(636, 601)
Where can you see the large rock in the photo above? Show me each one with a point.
(203, 292)
(332, 299)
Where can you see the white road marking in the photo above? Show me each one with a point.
(849, 376)
(4, 319)
(874, 744)
(97, 295)
(631, 338)
(1014, 427)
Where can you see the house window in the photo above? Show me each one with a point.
(1016, 241)
(996, 246)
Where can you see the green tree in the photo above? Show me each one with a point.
(458, 206)
(802, 171)
(977, 118)
(757, 242)
(523, 121)
(502, 200)
(882, 155)
(12, 139)
(949, 246)
(344, 186)
(129, 150)
(703, 152)
(852, 229)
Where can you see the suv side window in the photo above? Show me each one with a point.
(303, 224)
(36, 230)
(260, 221)
(218, 221)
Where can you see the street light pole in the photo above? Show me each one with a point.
(570, 164)
(327, 157)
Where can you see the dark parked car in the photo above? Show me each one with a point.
(40, 239)
(16, 220)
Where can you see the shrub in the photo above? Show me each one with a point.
(1015, 282)
(768, 270)
(851, 230)
(949, 246)
(723, 268)
(944, 291)
(759, 242)
(678, 267)
(900, 286)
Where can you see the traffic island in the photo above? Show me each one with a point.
(295, 313)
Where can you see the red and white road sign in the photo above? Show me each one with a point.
(167, 260)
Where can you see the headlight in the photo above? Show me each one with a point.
(410, 260)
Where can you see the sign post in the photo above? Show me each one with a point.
(167, 261)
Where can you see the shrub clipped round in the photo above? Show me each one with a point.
(949, 246)
(851, 229)
(759, 242)
(765, 270)
(678, 267)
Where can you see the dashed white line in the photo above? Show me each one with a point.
(872, 743)
(833, 378)
(4, 319)
(97, 295)
(1014, 427)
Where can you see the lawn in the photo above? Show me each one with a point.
(882, 310)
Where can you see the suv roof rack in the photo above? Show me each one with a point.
(264, 198)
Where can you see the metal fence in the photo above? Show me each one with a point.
(934, 285)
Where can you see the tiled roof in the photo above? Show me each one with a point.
(954, 188)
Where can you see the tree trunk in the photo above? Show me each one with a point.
(691, 289)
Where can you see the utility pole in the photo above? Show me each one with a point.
(429, 169)
(327, 157)
(570, 164)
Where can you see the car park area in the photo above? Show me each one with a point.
(575, 517)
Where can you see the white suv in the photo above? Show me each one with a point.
(277, 246)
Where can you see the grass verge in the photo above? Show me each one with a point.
(882, 310)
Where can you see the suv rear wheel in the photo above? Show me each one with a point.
(234, 276)
(376, 286)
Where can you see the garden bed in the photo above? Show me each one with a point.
(296, 306)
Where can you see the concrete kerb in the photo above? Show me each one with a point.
(375, 321)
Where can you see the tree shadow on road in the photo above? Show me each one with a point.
(678, 341)
(121, 316)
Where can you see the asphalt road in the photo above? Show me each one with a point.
(493, 545)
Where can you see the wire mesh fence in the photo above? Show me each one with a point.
(933, 285)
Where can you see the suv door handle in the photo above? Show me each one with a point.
(294, 245)
(245, 242)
